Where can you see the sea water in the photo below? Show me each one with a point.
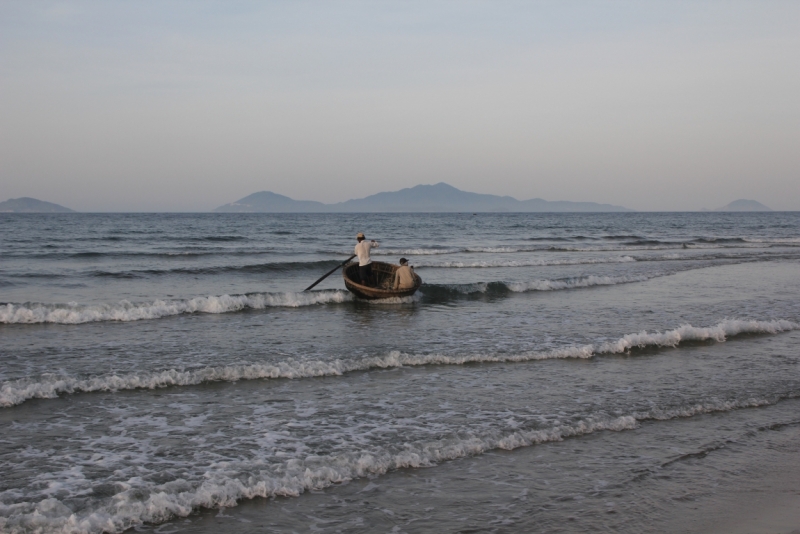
(555, 372)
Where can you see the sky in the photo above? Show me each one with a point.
(187, 105)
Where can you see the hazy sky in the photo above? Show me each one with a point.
(167, 105)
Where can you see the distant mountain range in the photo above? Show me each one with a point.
(31, 205)
(744, 205)
(422, 198)
(440, 197)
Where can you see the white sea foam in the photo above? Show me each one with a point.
(224, 484)
(778, 240)
(719, 333)
(414, 251)
(439, 251)
(123, 311)
(416, 297)
(559, 247)
(502, 250)
(714, 406)
(126, 311)
(521, 263)
(546, 284)
(15, 392)
(573, 283)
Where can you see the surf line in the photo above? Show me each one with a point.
(291, 479)
(125, 311)
(16, 392)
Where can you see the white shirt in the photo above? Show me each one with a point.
(362, 251)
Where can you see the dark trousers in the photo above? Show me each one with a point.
(365, 274)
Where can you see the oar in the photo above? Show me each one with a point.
(326, 275)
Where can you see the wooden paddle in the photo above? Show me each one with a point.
(326, 275)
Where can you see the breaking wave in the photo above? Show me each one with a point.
(72, 313)
(50, 386)
(439, 291)
(573, 283)
(522, 263)
(256, 268)
(225, 484)
(127, 311)
(580, 245)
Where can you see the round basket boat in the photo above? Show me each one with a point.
(383, 277)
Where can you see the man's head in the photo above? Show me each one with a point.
(403, 261)
(360, 236)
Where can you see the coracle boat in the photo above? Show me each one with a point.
(383, 276)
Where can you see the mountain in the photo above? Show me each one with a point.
(446, 198)
(266, 201)
(31, 205)
(422, 198)
(744, 205)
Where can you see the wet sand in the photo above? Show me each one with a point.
(766, 501)
(745, 484)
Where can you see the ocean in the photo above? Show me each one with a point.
(627, 372)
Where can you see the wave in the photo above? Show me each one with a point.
(643, 244)
(522, 263)
(50, 386)
(558, 245)
(172, 254)
(126, 311)
(614, 237)
(407, 251)
(212, 238)
(635, 248)
(554, 238)
(574, 283)
(224, 485)
(774, 240)
(445, 291)
(509, 249)
(284, 266)
(770, 240)
(653, 242)
(142, 236)
(674, 256)
(72, 313)
(514, 249)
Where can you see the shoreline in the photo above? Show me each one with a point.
(768, 502)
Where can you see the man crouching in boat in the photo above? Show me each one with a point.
(404, 276)
(364, 261)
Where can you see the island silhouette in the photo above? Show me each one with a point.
(439, 197)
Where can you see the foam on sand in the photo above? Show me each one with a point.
(15, 392)
(224, 484)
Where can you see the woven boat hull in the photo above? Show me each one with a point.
(384, 276)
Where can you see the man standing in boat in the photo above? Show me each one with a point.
(364, 262)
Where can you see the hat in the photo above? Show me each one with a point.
(403, 260)
(360, 235)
